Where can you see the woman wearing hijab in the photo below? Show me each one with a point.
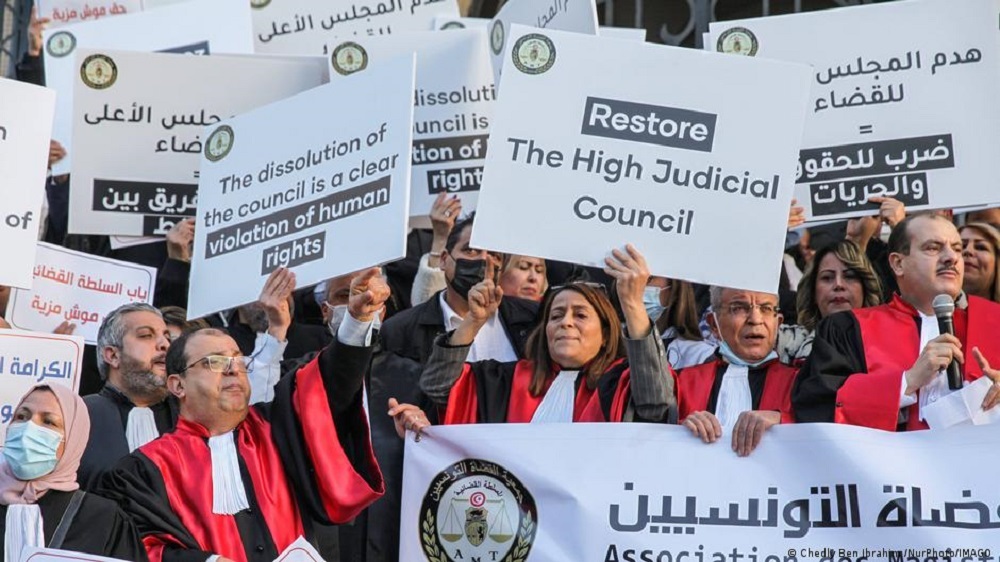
(40, 500)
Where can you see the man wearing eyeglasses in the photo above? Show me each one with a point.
(235, 482)
(744, 389)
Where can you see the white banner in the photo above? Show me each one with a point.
(560, 15)
(139, 141)
(653, 149)
(25, 128)
(78, 288)
(644, 492)
(198, 27)
(322, 192)
(313, 27)
(63, 12)
(30, 358)
(453, 104)
(902, 102)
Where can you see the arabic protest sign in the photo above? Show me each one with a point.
(312, 27)
(658, 159)
(29, 358)
(889, 115)
(453, 103)
(810, 492)
(78, 288)
(139, 141)
(63, 12)
(32, 554)
(627, 33)
(324, 193)
(222, 26)
(560, 15)
(25, 125)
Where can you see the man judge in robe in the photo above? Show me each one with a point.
(744, 389)
(241, 482)
(879, 367)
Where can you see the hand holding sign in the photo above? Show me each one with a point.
(629, 270)
(369, 291)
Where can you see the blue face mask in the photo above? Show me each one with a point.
(651, 300)
(733, 359)
(30, 450)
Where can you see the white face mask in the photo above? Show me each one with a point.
(337, 314)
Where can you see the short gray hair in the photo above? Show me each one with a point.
(715, 296)
(112, 331)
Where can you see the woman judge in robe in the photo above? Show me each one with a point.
(40, 500)
(579, 366)
(980, 246)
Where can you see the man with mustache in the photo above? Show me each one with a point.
(878, 367)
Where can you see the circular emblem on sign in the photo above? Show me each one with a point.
(219, 143)
(61, 44)
(453, 25)
(534, 54)
(497, 37)
(349, 58)
(737, 41)
(98, 71)
(477, 510)
(259, 4)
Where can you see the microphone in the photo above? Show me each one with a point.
(944, 309)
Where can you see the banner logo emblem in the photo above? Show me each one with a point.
(453, 25)
(497, 37)
(534, 54)
(349, 58)
(259, 4)
(98, 72)
(61, 44)
(737, 41)
(219, 143)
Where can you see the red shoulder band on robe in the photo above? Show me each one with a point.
(694, 389)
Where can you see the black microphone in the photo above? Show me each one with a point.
(944, 308)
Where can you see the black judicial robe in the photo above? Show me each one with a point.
(698, 387)
(99, 527)
(301, 464)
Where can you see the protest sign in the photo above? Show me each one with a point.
(321, 192)
(221, 26)
(30, 358)
(78, 288)
(63, 12)
(25, 126)
(139, 141)
(627, 33)
(300, 551)
(669, 161)
(889, 115)
(559, 15)
(33, 554)
(313, 27)
(598, 492)
(453, 103)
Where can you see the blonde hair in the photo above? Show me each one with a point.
(993, 235)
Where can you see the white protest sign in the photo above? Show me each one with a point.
(299, 551)
(453, 101)
(30, 358)
(322, 192)
(631, 154)
(313, 27)
(627, 33)
(33, 554)
(890, 115)
(63, 12)
(598, 492)
(25, 126)
(78, 288)
(197, 27)
(560, 15)
(139, 141)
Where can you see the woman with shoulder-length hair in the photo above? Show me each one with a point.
(980, 249)
(671, 305)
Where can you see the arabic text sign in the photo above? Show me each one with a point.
(139, 141)
(561, 15)
(30, 358)
(889, 115)
(222, 26)
(636, 156)
(77, 288)
(598, 492)
(454, 100)
(277, 189)
(312, 27)
(62, 12)
(25, 125)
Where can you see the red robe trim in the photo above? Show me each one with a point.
(694, 389)
(891, 336)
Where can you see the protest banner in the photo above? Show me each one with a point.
(30, 358)
(453, 103)
(313, 27)
(620, 492)
(321, 192)
(558, 15)
(889, 116)
(627, 33)
(25, 126)
(78, 288)
(139, 141)
(221, 26)
(33, 554)
(62, 12)
(669, 161)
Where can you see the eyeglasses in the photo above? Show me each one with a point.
(744, 309)
(223, 363)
